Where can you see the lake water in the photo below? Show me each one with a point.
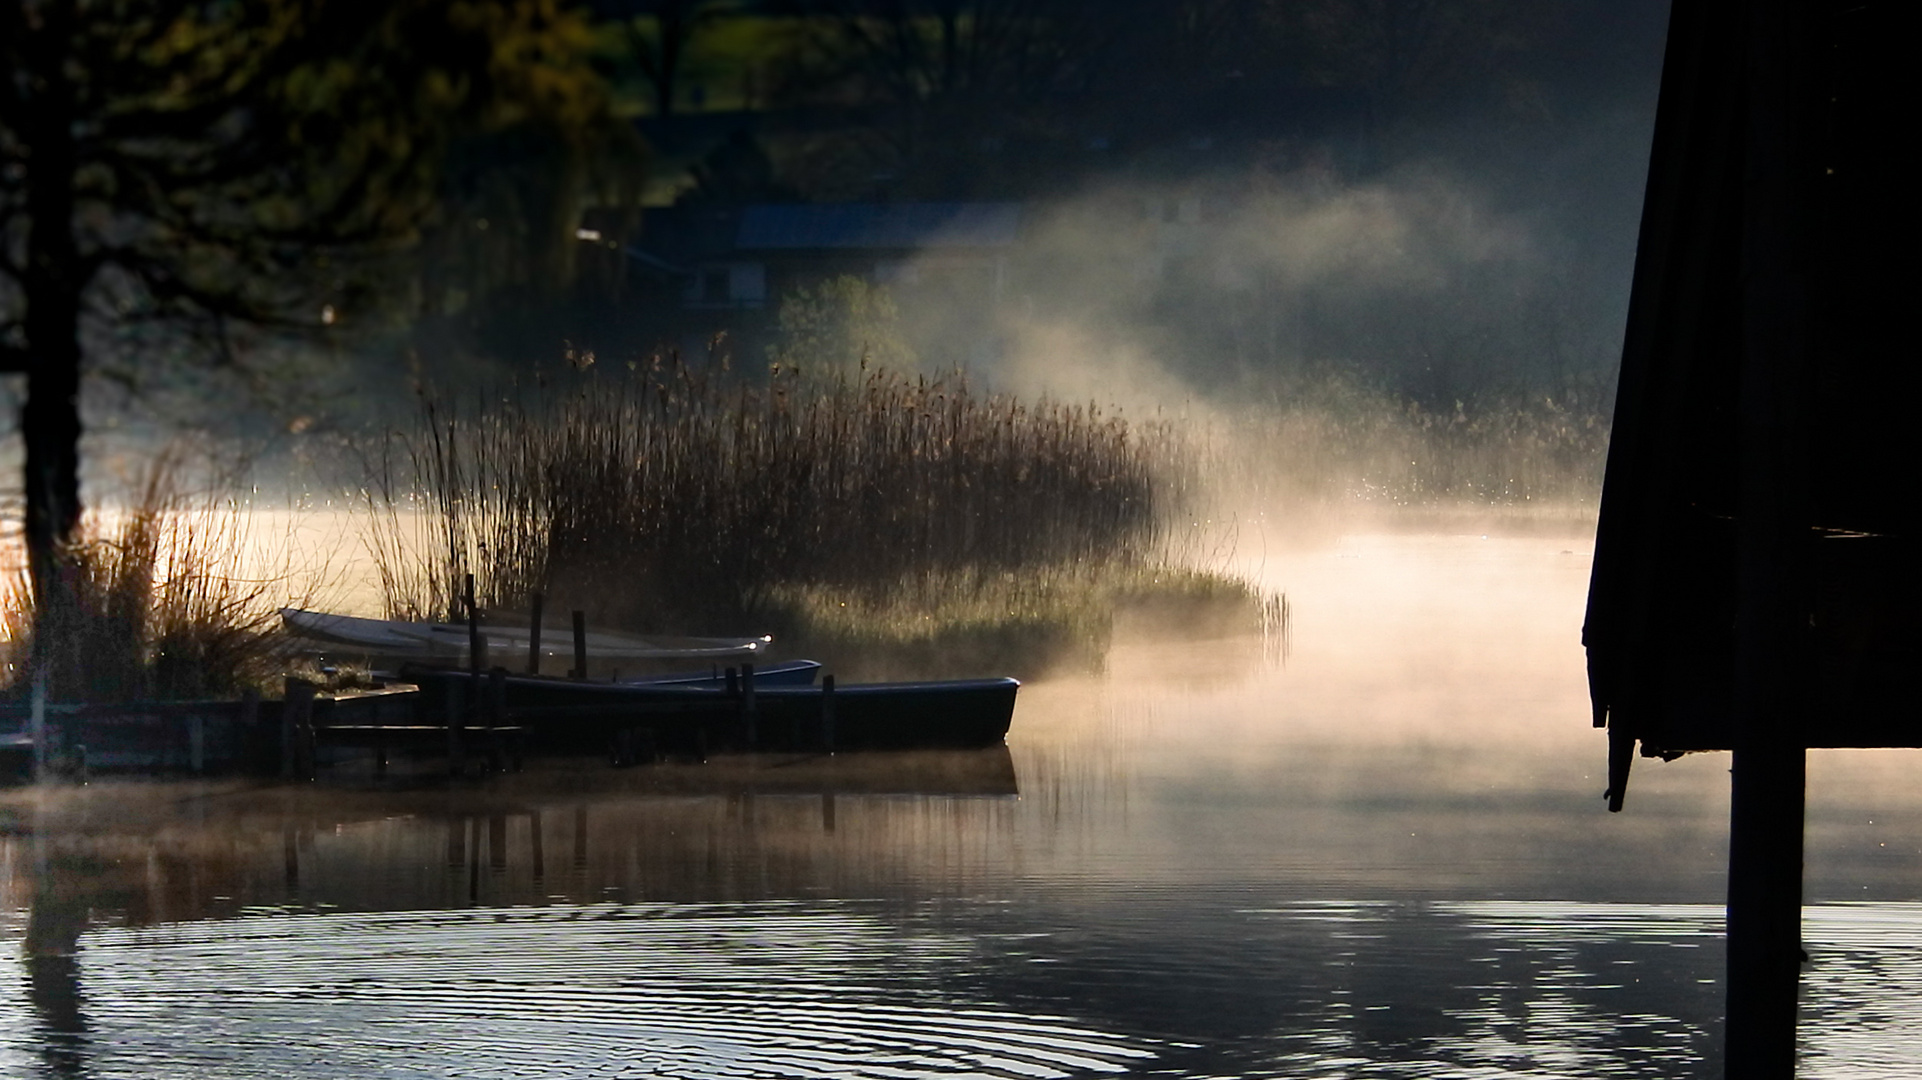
(1386, 856)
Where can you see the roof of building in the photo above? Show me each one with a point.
(879, 225)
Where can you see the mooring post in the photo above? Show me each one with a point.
(497, 718)
(580, 644)
(38, 723)
(456, 721)
(747, 704)
(251, 736)
(827, 713)
(534, 637)
(476, 650)
(296, 714)
(538, 849)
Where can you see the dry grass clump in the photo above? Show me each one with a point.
(1042, 620)
(163, 608)
(889, 525)
(683, 500)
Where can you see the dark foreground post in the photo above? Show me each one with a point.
(1764, 911)
(1775, 661)
(580, 645)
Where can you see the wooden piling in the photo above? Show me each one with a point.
(473, 860)
(538, 849)
(827, 714)
(747, 706)
(476, 651)
(38, 723)
(580, 645)
(534, 637)
(251, 735)
(296, 718)
(496, 718)
(380, 745)
(456, 721)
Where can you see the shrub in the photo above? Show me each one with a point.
(163, 607)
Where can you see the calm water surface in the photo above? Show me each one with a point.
(1387, 857)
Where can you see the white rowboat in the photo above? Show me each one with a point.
(393, 637)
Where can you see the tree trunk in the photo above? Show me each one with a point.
(53, 282)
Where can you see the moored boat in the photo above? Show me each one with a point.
(778, 673)
(560, 715)
(424, 640)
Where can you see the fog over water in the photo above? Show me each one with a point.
(1384, 322)
(1386, 855)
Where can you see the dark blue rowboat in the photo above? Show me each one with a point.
(560, 715)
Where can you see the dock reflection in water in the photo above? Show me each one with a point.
(1386, 859)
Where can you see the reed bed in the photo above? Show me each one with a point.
(683, 500)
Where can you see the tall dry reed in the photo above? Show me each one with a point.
(163, 605)
(670, 498)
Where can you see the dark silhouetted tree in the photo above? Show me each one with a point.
(182, 167)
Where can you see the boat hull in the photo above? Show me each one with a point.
(450, 641)
(554, 715)
(779, 673)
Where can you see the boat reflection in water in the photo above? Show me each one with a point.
(574, 913)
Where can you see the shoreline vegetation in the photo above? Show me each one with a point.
(169, 605)
(890, 525)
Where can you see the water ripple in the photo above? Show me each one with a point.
(767, 991)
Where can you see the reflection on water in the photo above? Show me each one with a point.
(565, 990)
(1387, 859)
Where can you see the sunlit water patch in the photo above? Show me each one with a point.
(1582, 989)
(614, 990)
